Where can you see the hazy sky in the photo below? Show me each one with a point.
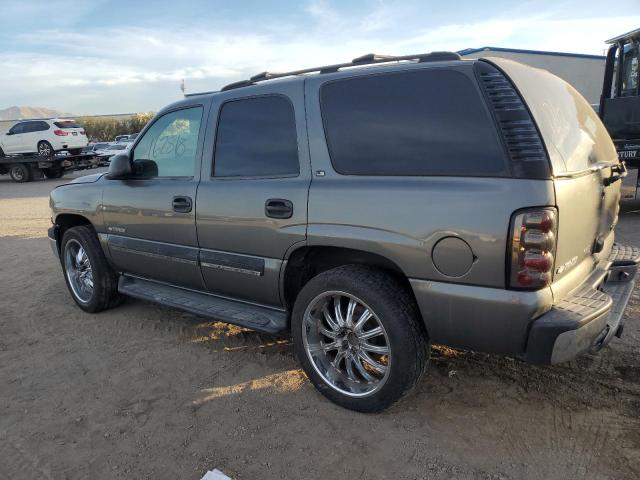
(97, 57)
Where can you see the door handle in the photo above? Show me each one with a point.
(278, 208)
(182, 204)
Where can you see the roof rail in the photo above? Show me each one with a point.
(199, 93)
(368, 59)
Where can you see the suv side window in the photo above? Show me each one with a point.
(168, 148)
(421, 122)
(39, 126)
(18, 128)
(257, 137)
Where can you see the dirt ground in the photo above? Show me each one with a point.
(144, 391)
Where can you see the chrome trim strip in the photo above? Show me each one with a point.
(153, 255)
(231, 269)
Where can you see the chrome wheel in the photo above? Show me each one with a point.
(44, 149)
(346, 343)
(78, 270)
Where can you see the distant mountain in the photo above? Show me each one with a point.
(17, 113)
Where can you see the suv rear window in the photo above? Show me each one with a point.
(257, 138)
(426, 122)
(67, 124)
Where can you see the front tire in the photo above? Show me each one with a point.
(19, 173)
(91, 281)
(357, 333)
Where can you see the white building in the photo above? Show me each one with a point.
(584, 72)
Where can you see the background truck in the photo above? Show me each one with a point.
(620, 105)
(25, 168)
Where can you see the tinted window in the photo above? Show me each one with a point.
(256, 137)
(19, 128)
(169, 146)
(39, 126)
(427, 122)
(29, 127)
(67, 124)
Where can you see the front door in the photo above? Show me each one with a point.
(14, 139)
(252, 200)
(150, 218)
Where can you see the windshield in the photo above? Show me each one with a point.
(117, 147)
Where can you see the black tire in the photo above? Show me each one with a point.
(53, 172)
(20, 173)
(105, 281)
(75, 151)
(45, 149)
(395, 309)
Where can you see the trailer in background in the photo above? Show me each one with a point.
(25, 168)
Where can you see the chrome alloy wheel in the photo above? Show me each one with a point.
(346, 343)
(78, 270)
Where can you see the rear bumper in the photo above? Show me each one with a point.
(527, 324)
(589, 317)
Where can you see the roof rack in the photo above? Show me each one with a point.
(368, 59)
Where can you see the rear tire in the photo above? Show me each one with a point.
(45, 149)
(379, 368)
(20, 173)
(75, 151)
(53, 172)
(91, 281)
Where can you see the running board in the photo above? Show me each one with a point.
(255, 317)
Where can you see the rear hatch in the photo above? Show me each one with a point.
(70, 128)
(583, 160)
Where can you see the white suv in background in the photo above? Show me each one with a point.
(44, 137)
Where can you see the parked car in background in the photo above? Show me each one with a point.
(43, 137)
(105, 154)
(99, 147)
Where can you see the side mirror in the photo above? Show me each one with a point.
(120, 167)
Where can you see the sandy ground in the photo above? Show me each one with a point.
(144, 391)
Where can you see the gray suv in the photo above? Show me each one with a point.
(369, 208)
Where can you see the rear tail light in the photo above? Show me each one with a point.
(533, 247)
(60, 133)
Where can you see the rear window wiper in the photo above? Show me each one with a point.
(618, 172)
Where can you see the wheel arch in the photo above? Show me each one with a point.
(65, 221)
(305, 262)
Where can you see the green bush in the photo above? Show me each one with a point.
(105, 129)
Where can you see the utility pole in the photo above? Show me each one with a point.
(182, 87)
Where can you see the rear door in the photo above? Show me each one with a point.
(252, 200)
(582, 156)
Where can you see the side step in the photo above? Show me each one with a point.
(624, 255)
(258, 318)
